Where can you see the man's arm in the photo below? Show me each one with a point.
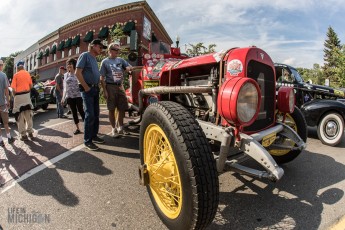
(79, 74)
(7, 94)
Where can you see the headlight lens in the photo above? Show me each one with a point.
(247, 103)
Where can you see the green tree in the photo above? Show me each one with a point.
(315, 74)
(331, 44)
(340, 65)
(200, 49)
(9, 63)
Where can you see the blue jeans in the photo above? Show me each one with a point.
(91, 108)
(59, 107)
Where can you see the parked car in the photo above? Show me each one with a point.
(322, 106)
(41, 96)
(202, 116)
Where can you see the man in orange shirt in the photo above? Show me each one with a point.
(22, 105)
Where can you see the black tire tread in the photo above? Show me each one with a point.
(198, 159)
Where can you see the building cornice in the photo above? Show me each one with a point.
(104, 14)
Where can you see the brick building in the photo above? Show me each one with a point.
(139, 24)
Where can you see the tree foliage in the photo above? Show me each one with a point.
(200, 49)
(331, 44)
(9, 63)
(339, 54)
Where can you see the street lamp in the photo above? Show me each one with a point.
(177, 40)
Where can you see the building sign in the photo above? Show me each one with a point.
(147, 29)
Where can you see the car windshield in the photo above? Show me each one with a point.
(298, 77)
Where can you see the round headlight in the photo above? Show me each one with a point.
(239, 101)
(286, 99)
(247, 102)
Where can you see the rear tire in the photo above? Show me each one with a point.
(183, 180)
(331, 129)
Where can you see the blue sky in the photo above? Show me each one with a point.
(290, 31)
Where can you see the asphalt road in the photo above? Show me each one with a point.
(100, 190)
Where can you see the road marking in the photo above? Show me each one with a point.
(44, 165)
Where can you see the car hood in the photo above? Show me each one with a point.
(326, 89)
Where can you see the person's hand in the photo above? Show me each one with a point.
(62, 102)
(87, 88)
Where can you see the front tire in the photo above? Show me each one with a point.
(298, 123)
(331, 129)
(183, 181)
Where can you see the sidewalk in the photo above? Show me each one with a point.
(20, 157)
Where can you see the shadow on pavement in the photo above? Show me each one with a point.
(287, 204)
(49, 182)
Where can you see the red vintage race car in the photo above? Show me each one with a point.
(201, 117)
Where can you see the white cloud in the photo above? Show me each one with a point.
(288, 30)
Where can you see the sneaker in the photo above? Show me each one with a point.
(76, 132)
(91, 146)
(98, 140)
(11, 140)
(69, 112)
(114, 133)
(63, 116)
(31, 135)
(123, 132)
(2, 144)
(24, 138)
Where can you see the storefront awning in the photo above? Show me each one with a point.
(76, 41)
(40, 55)
(61, 45)
(103, 33)
(68, 43)
(88, 37)
(53, 51)
(129, 26)
(46, 53)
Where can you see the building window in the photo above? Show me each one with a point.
(77, 50)
(62, 53)
(54, 57)
(128, 40)
(47, 59)
(69, 52)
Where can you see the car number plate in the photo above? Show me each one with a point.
(268, 140)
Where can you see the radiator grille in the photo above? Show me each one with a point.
(264, 76)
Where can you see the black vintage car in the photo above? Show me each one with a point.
(40, 94)
(321, 106)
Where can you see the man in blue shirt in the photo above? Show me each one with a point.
(4, 104)
(112, 69)
(88, 76)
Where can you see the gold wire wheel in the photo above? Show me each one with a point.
(289, 121)
(164, 177)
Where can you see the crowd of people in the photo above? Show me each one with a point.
(78, 86)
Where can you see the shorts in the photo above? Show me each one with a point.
(116, 97)
(4, 113)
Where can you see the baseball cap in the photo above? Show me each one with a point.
(20, 63)
(62, 67)
(98, 42)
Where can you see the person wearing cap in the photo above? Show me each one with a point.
(4, 104)
(22, 105)
(59, 92)
(88, 76)
(112, 71)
